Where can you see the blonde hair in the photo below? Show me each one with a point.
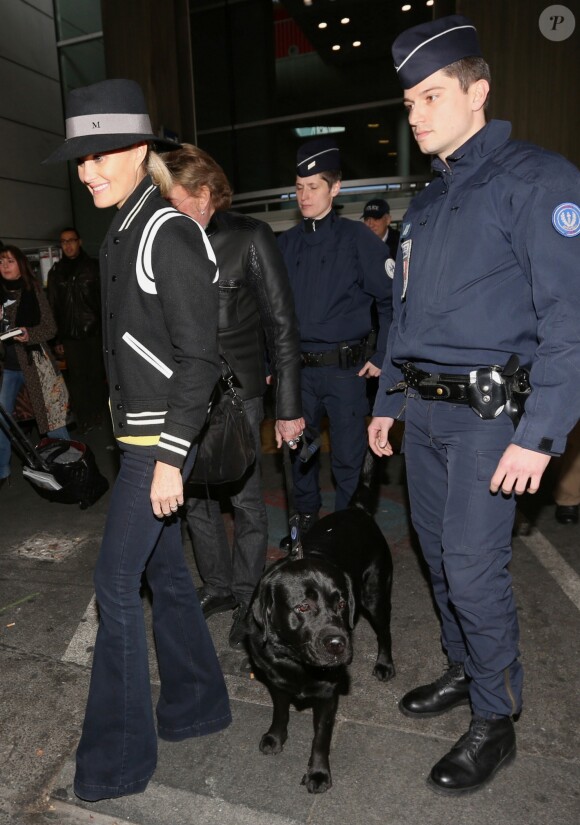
(193, 168)
(160, 174)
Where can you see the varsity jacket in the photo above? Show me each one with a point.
(255, 301)
(160, 303)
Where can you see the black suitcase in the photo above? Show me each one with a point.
(59, 470)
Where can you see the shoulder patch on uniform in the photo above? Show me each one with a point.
(566, 219)
(390, 268)
(406, 230)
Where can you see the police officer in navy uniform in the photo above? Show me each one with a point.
(377, 216)
(337, 268)
(485, 319)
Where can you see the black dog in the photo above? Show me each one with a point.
(301, 617)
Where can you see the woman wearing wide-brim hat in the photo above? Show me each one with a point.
(160, 298)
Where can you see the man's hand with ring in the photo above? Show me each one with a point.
(289, 431)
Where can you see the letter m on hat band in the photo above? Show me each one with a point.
(107, 124)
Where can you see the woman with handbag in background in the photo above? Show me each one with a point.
(159, 300)
(28, 360)
(256, 307)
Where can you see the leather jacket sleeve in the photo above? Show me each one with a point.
(268, 279)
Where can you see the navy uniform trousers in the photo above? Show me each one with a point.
(465, 534)
(341, 395)
(117, 753)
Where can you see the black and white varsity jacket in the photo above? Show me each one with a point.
(160, 310)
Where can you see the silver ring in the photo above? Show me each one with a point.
(291, 442)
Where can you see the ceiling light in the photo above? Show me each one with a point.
(391, 154)
(336, 48)
(357, 43)
(322, 25)
(384, 140)
(307, 2)
(372, 125)
(430, 2)
(406, 7)
(345, 20)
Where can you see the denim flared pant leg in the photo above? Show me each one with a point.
(117, 752)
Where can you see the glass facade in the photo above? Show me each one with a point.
(82, 62)
(271, 73)
(80, 42)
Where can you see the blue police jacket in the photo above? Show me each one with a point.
(335, 273)
(489, 265)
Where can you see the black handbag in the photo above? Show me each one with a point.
(226, 448)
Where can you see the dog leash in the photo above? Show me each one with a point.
(310, 444)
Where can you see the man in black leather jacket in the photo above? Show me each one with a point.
(256, 311)
(73, 290)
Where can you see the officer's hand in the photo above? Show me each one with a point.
(519, 471)
(369, 371)
(166, 489)
(289, 431)
(379, 435)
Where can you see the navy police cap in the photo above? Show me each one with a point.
(422, 50)
(376, 208)
(318, 155)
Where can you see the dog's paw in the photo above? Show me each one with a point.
(270, 744)
(317, 781)
(384, 672)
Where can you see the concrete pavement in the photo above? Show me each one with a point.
(379, 758)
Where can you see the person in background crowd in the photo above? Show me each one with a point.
(73, 291)
(24, 306)
(255, 308)
(160, 341)
(487, 275)
(336, 269)
(567, 490)
(377, 216)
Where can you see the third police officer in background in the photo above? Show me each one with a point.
(337, 268)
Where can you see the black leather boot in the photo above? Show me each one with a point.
(567, 514)
(449, 691)
(306, 522)
(474, 759)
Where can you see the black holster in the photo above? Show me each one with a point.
(493, 390)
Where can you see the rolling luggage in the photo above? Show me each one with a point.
(59, 470)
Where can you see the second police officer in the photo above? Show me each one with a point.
(337, 269)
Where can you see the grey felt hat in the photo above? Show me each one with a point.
(107, 115)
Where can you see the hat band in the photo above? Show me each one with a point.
(107, 124)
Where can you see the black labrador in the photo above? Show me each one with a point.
(301, 619)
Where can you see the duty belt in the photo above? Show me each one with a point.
(489, 391)
(344, 356)
(438, 386)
